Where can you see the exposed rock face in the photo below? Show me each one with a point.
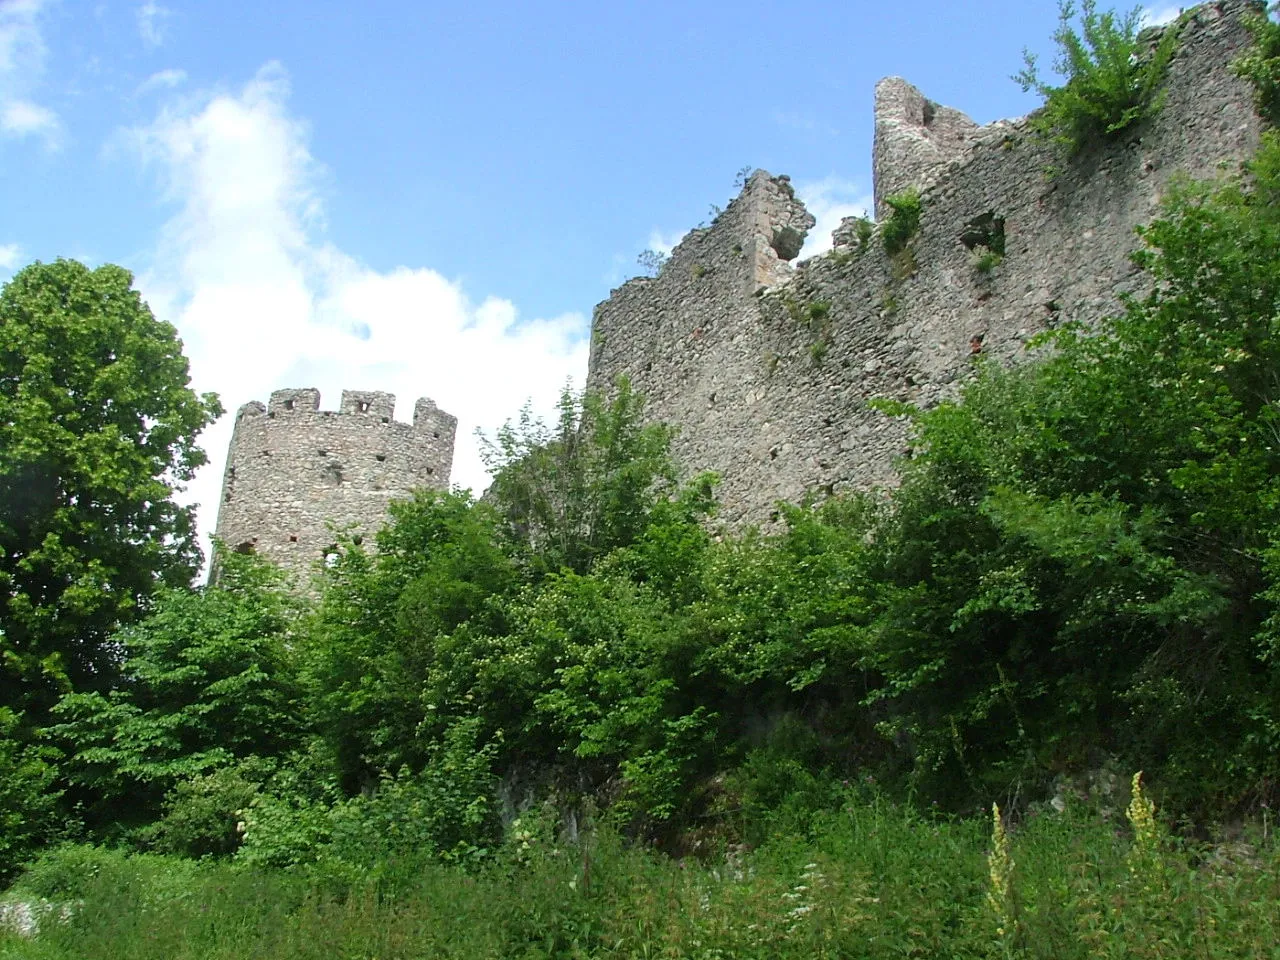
(767, 369)
(294, 469)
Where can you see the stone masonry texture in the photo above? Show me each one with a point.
(767, 369)
(296, 474)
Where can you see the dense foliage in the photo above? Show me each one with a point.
(1112, 77)
(97, 430)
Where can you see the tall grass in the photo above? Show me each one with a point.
(871, 879)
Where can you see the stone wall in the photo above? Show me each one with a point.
(767, 369)
(293, 470)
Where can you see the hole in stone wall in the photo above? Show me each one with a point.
(226, 497)
(787, 242)
(773, 454)
(288, 404)
(231, 473)
(364, 406)
(323, 453)
(271, 415)
(333, 472)
(987, 231)
(293, 538)
(436, 434)
(430, 470)
(245, 548)
(380, 457)
(386, 419)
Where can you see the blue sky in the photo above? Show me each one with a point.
(430, 197)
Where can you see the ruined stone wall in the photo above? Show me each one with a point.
(915, 139)
(294, 469)
(767, 370)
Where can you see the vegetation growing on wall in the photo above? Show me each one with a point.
(1260, 64)
(903, 220)
(1112, 77)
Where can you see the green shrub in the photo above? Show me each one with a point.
(202, 816)
(1112, 80)
(863, 231)
(65, 872)
(903, 221)
(1260, 64)
(29, 814)
(985, 259)
(446, 810)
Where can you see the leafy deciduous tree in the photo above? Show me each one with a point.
(97, 431)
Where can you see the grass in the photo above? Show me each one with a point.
(870, 879)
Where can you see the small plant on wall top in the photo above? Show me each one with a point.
(903, 220)
(651, 262)
(1113, 80)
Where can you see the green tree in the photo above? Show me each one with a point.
(438, 565)
(97, 432)
(1086, 546)
(573, 491)
(1111, 79)
(208, 679)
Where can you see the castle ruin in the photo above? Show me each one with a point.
(296, 473)
(767, 369)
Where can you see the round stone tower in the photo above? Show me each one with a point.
(296, 472)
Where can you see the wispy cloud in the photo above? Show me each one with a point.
(1160, 14)
(831, 200)
(664, 242)
(22, 60)
(263, 300)
(10, 256)
(151, 23)
(162, 80)
(22, 118)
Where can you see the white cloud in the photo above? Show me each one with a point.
(830, 201)
(262, 301)
(10, 256)
(664, 243)
(151, 19)
(1159, 15)
(162, 80)
(21, 118)
(22, 56)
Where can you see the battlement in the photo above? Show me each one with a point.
(767, 369)
(286, 402)
(296, 474)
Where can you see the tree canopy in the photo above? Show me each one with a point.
(98, 430)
